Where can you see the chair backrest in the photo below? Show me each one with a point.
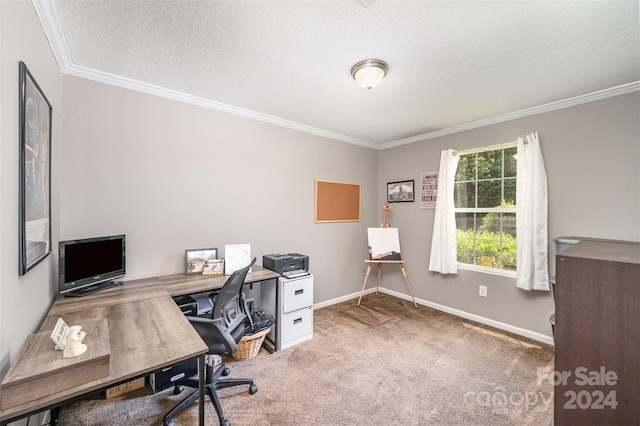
(227, 304)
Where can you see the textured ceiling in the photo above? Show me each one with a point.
(452, 64)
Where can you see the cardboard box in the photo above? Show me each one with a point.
(126, 387)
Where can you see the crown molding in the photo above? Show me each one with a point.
(151, 89)
(591, 97)
(48, 17)
(49, 20)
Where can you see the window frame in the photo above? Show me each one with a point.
(482, 210)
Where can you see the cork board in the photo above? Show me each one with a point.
(337, 201)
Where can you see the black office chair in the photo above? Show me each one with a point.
(221, 333)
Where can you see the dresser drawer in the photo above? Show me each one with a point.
(296, 324)
(297, 293)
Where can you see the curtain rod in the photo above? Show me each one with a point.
(487, 148)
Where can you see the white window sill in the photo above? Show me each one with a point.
(485, 270)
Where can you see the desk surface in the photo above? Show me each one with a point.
(180, 284)
(147, 330)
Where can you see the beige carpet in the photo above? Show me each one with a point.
(383, 363)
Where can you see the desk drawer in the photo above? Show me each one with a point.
(297, 293)
(296, 324)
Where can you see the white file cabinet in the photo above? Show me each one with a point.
(294, 311)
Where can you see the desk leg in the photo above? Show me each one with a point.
(201, 381)
(408, 285)
(364, 284)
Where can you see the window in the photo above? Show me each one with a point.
(485, 205)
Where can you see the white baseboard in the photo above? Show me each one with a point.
(482, 320)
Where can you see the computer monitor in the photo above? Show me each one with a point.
(90, 264)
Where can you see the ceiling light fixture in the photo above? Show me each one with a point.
(370, 72)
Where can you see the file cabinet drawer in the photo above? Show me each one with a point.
(297, 294)
(296, 324)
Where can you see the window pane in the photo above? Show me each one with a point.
(510, 164)
(489, 193)
(490, 164)
(464, 221)
(487, 249)
(509, 256)
(465, 246)
(466, 168)
(510, 192)
(509, 225)
(465, 194)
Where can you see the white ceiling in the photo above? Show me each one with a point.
(453, 64)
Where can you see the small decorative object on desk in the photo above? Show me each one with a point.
(68, 339)
(213, 267)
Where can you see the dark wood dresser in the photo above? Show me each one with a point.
(597, 334)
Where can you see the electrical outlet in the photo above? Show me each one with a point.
(483, 291)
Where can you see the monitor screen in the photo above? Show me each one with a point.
(90, 261)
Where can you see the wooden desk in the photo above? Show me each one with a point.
(181, 284)
(147, 331)
(146, 334)
(380, 263)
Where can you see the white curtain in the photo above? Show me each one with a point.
(443, 244)
(532, 205)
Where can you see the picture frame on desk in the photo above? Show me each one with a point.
(213, 267)
(35, 172)
(195, 259)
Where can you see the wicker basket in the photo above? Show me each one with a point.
(249, 345)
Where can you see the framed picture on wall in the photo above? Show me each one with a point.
(199, 260)
(400, 191)
(34, 222)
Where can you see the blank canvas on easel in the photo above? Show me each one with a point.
(384, 244)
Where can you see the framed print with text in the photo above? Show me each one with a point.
(428, 190)
(34, 222)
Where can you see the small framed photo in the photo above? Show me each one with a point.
(400, 191)
(213, 267)
(195, 259)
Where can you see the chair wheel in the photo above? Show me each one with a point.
(253, 389)
(169, 423)
(177, 389)
(226, 371)
(225, 422)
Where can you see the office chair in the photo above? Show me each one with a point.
(221, 333)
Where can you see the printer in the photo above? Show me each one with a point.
(287, 264)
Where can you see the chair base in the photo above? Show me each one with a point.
(213, 383)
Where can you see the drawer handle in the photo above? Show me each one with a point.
(299, 292)
(297, 320)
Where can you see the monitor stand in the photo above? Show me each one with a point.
(85, 291)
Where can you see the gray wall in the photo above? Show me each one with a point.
(173, 176)
(592, 157)
(23, 299)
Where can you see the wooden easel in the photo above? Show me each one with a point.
(386, 207)
(380, 263)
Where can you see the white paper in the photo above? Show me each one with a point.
(236, 256)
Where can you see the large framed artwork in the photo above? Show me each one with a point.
(34, 224)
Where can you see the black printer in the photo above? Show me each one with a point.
(286, 263)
